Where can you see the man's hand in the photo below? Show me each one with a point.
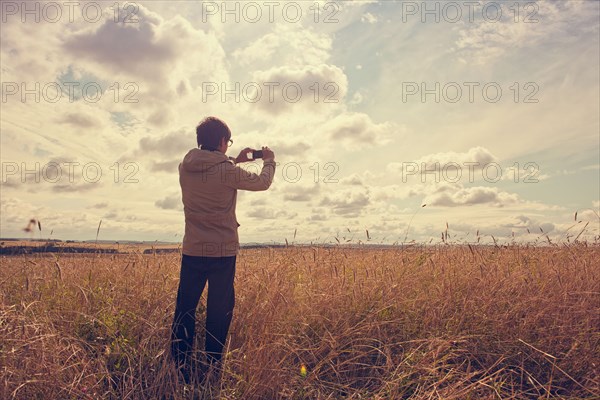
(268, 154)
(243, 157)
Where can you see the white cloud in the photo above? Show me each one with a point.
(285, 45)
(354, 179)
(369, 18)
(357, 130)
(156, 62)
(484, 41)
(594, 167)
(454, 196)
(151, 49)
(319, 88)
(357, 98)
(590, 214)
(81, 120)
(476, 164)
(475, 158)
(525, 223)
(174, 143)
(317, 217)
(269, 213)
(301, 193)
(172, 202)
(348, 203)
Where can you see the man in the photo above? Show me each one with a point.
(209, 182)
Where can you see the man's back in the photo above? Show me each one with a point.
(209, 181)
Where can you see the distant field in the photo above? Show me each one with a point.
(438, 322)
(15, 247)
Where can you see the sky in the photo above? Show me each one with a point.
(391, 121)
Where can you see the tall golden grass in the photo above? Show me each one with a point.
(436, 322)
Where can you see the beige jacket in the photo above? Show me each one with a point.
(209, 181)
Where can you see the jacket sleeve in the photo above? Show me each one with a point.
(238, 178)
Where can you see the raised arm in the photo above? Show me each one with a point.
(239, 178)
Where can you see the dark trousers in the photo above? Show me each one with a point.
(195, 272)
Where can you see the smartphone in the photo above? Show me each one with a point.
(257, 154)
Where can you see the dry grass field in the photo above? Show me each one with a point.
(436, 322)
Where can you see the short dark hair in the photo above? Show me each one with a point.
(210, 131)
